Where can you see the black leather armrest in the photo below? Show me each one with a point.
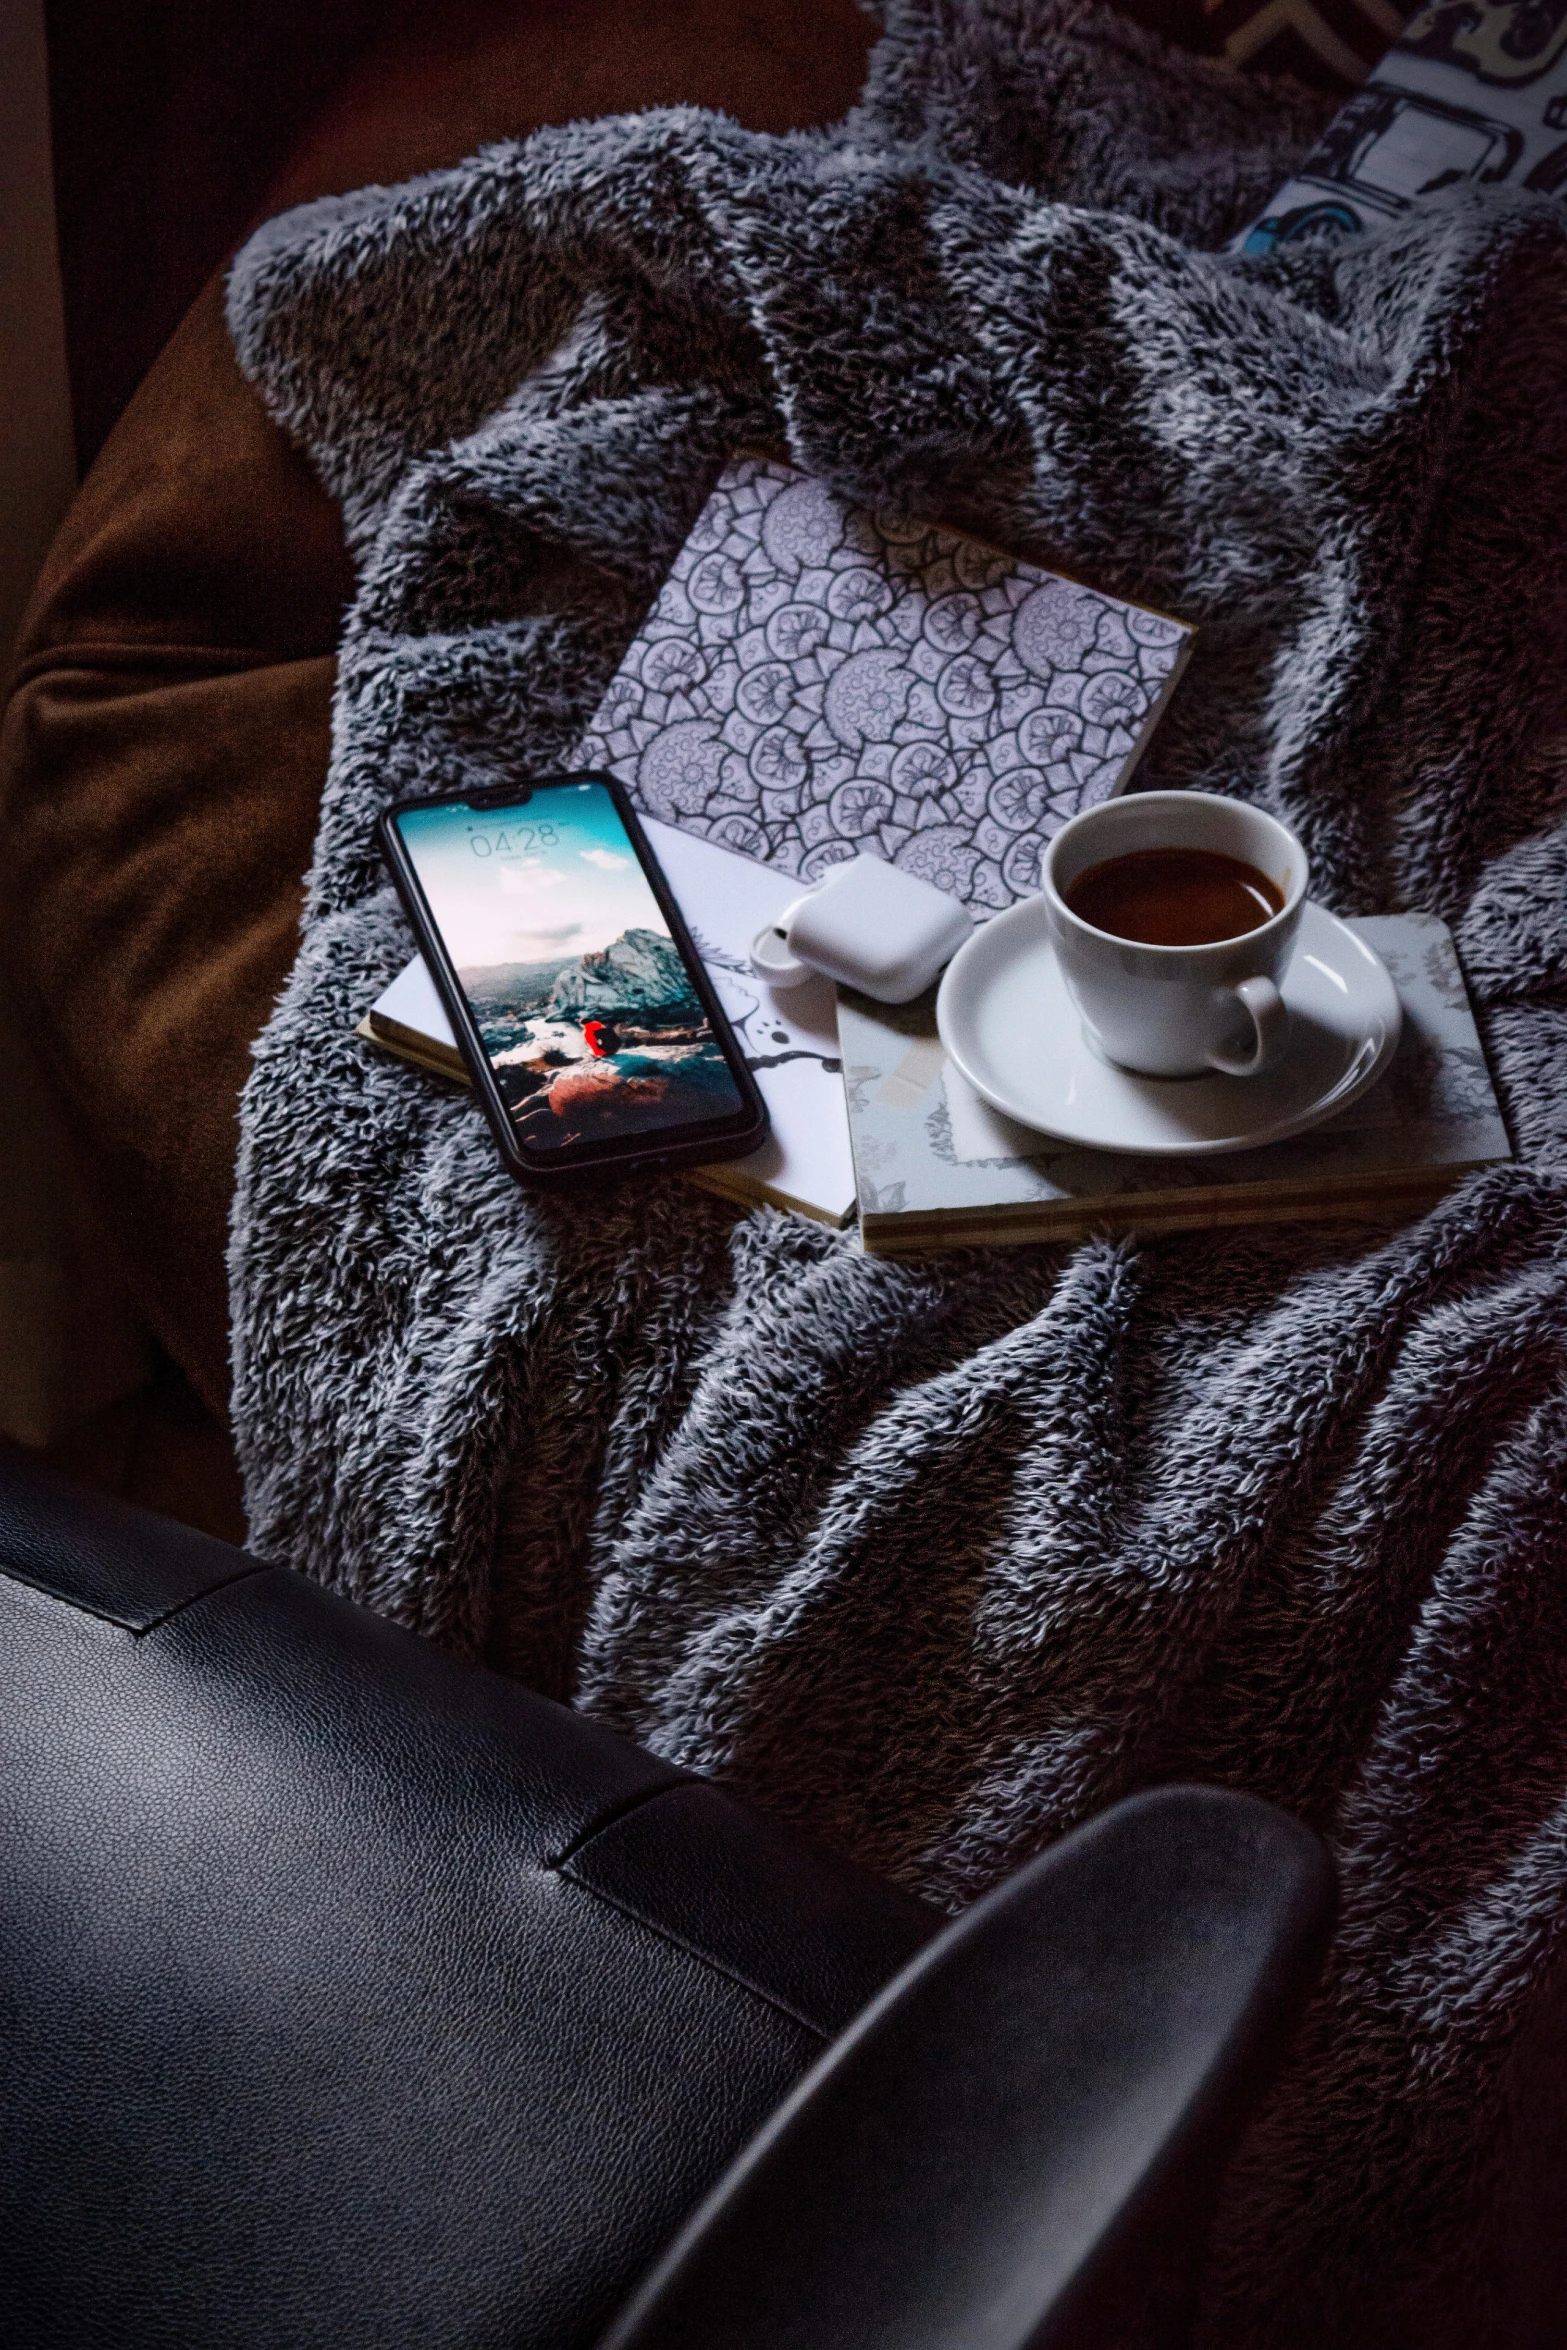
(1020, 2141)
(352, 1997)
(100, 1555)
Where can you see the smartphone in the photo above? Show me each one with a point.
(589, 1027)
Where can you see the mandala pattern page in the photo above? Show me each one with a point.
(815, 681)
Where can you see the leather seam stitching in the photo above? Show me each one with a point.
(245, 1575)
(731, 1974)
(611, 1817)
(102, 1615)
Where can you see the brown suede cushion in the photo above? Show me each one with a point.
(165, 748)
(164, 753)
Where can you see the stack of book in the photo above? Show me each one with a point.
(936, 1167)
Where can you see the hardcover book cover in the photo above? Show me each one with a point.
(937, 1167)
(815, 681)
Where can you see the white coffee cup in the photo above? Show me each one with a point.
(1176, 1011)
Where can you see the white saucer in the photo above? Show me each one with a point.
(1009, 1025)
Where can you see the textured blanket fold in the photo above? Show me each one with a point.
(939, 1558)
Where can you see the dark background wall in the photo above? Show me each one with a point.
(173, 118)
(169, 119)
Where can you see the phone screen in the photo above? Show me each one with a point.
(581, 997)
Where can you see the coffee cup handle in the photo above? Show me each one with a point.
(1270, 1022)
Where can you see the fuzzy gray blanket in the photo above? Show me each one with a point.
(940, 1558)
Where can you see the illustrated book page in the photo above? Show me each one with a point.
(815, 681)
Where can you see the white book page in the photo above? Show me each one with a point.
(412, 1002)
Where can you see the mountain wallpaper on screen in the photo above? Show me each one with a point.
(601, 1044)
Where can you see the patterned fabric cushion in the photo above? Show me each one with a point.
(1330, 43)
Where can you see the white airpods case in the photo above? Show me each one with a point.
(869, 925)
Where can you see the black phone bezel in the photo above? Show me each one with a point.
(692, 1146)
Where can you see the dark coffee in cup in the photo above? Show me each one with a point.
(1201, 899)
(1175, 897)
